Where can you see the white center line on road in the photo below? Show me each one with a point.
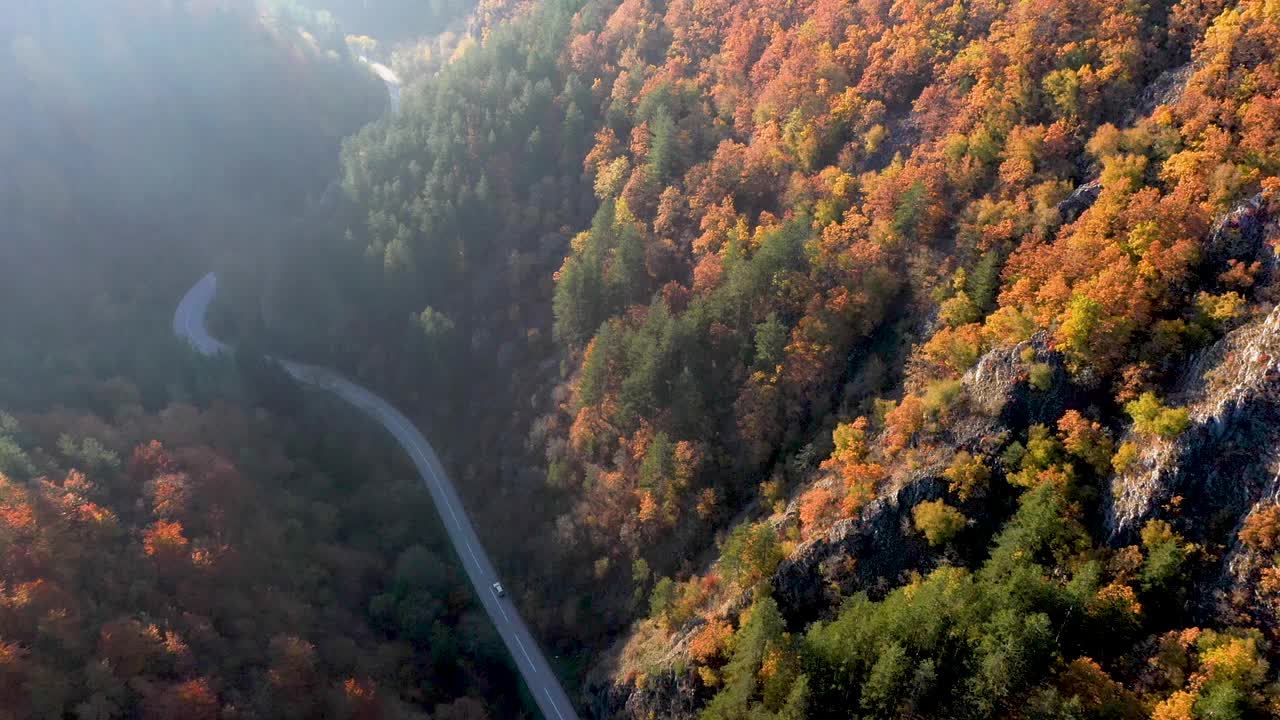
(473, 556)
(417, 453)
(434, 478)
(456, 523)
(553, 703)
(499, 601)
(532, 667)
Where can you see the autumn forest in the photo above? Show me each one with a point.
(807, 359)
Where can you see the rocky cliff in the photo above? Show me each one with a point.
(1207, 481)
(1215, 474)
(871, 552)
(1224, 462)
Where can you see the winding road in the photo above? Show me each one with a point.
(389, 78)
(189, 323)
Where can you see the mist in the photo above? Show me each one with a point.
(476, 359)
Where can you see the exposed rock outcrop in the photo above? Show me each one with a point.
(1166, 89)
(1080, 200)
(1220, 465)
(671, 695)
(1242, 586)
(871, 552)
(1242, 233)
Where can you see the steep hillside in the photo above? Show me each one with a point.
(755, 309)
(1182, 483)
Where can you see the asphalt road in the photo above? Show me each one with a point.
(188, 323)
(389, 78)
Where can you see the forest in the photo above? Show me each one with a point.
(392, 21)
(730, 274)
(810, 359)
(184, 537)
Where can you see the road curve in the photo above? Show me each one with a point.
(389, 78)
(189, 323)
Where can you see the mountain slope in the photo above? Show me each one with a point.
(913, 277)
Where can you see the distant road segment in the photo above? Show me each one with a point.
(189, 323)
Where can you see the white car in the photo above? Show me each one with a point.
(497, 590)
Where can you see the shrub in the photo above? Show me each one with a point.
(959, 310)
(710, 641)
(750, 554)
(1261, 529)
(954, 349)
(942, 395)
(1166, 554)
(1040, 376)
(967, 476)
(937, 521)
(1086, 440)
(1125, 456)
(1151, 417)
(662, 598)
(817, 508)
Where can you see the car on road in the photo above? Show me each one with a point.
(497, 590)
